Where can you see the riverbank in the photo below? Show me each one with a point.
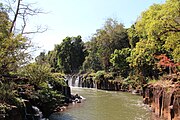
(162, 96)
(31, 101)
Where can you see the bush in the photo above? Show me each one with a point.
(99, 75)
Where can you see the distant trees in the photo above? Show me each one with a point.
(68, 56)
(120, 62)
(129, 51)
(112, 36)
(92, 60)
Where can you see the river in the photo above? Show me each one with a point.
(105, 105)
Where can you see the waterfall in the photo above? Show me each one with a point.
(76, 84)
(69, 79)
(73, 80)
(77, 81)
(31, 112)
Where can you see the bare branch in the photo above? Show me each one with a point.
(39, 29)
(24, 22)
(20, 12)
(10, 6)
(15, 17)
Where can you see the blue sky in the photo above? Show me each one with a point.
(82, 17)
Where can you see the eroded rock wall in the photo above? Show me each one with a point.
(164, 99)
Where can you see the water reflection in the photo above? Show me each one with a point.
(61, 116)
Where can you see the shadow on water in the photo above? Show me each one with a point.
(61, 116)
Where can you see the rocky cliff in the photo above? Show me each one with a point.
(164, 97)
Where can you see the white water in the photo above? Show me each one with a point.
(76, 82)
(73, 81)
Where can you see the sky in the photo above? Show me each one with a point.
(81, 17)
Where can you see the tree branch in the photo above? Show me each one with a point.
(39, 29)
(15, 17)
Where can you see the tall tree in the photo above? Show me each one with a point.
(71, 54)
(12, 47)
(112, 36)
(133, 36)
(20, 11)
(92, 60)
(159, 33)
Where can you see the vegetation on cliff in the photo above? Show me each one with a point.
(24, 85)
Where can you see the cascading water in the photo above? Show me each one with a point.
(76, 81)
(76, 84)
(69, 79)
(73, 80)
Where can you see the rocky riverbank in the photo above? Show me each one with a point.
(32, 102)
(105, 81)
(164, 97)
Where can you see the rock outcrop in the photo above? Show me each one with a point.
(164, 98)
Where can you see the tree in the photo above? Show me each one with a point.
(13, 40)
(71, 54)
(53, 59)
(159, 33)
(20, 10)
(118, 59)
(112, 36)
(12, 47)
(133, 36)
(36, 73)
(41, 59)
(164, 61)
(92, 60)
(78, 53)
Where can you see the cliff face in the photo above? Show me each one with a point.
(164, 99)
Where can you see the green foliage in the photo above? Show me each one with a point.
(4, 23)
(48, 95)
(99, 75)
(7, 92)
(133, 36)
(12, 47)
(68, 56)
(58, 78)
(161, 27)
(112, 36)
(36, 73)
(92, 61)
(118, 59)
(41, 59)
(158, 31)
(53, 60)
(135, 81)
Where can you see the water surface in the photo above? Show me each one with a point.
(105, 105)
